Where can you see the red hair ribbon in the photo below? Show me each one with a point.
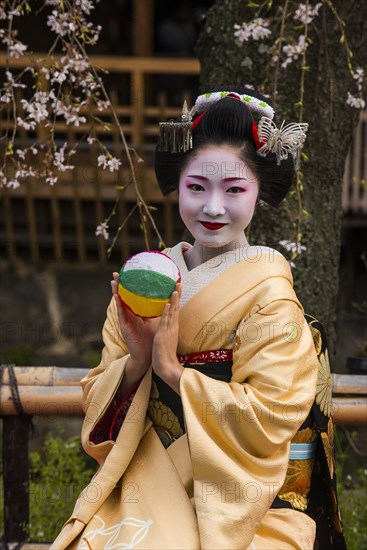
(195, 122)
(233, 94)
(255, 136)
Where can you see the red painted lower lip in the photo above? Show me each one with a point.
(213, 226)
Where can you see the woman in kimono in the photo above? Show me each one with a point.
(203, 421)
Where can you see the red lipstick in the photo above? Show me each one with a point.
(213, 226)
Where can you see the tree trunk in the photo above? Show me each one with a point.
(332, 123)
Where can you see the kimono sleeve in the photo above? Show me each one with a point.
(101, 383)
(239, 432)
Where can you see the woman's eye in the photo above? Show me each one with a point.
(235, 190)
(195, 187)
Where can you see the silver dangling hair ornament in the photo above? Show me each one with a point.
(176, 137)
(281, 141)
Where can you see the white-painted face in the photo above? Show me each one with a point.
(217, 197)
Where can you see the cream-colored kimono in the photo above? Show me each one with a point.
(213, 487)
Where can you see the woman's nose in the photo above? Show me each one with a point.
(214, 207)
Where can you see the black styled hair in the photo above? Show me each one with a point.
(229, 122)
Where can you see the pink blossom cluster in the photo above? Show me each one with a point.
(353, 101)
(294, 248)
(73, 87)
(306, 13)
(102, 229)
(255, 30)
(293, 51)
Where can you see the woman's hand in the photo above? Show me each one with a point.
(137, 332)
(164, 353)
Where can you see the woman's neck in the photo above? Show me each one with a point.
(199, 253)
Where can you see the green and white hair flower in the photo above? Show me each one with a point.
(257, 107)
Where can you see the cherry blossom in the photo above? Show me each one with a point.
(13, 184)
(359, 77)
(294, 248)
(11, 82)
(37, 108)
(85, 5)
(21, 154)
(68, 21)
(74, 92)
(255, 30)
(59, 159)
(69, 112)
(17, 49)
(102, 229)
(108, 162)
(31, 125)
(356, 102)
(307, 13)
(293, 51)
(6, 97)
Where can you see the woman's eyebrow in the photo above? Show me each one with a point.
(224, 180)
(234, 179)
(197, 176)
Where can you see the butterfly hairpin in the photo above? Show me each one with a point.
(281, 141)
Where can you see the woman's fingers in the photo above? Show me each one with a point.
(115, 276)
(120, 310)
(163, 323)
(170, 312)
(173, 305)
(177, 297)
(179, 289)
(175, 300)
(119, 304)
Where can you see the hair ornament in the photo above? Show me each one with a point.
(255, 136)
(230, 122)
(176, 137)
(281, 141)
(197, 120)
(257, 107)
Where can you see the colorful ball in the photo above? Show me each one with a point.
(146, 282)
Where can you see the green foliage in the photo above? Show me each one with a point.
(92, 357)
(58, 474)
(352, 493)
(352, 490)
(20, 355)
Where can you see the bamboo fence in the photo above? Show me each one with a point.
(48, 391)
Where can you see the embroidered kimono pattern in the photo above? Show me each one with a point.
(230, 449)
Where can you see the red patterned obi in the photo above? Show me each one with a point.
(215, 356)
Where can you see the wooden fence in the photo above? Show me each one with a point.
(59, 222)
(39, 222)
(55, 391)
